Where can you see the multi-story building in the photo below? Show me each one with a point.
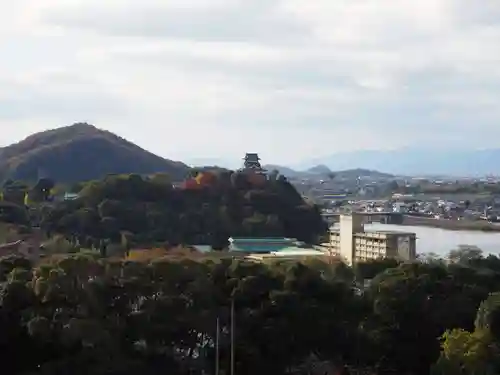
(352, 243)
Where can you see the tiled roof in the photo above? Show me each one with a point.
(297, 251)
(257, 248)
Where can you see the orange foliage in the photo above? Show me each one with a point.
(206, 178)
(181, 252)
(191, 184)
(199, 178)
(146, 255)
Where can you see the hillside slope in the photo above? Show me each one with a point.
(80, 152)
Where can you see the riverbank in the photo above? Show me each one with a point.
(482, 226)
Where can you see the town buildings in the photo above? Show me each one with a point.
(351, 243)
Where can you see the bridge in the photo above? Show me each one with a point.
(382, 213)
(386, 217)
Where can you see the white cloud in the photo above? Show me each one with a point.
(291, 79)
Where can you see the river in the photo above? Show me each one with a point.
(441, 241)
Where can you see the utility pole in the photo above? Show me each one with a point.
(217, 346)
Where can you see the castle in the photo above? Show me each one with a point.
(251, 162)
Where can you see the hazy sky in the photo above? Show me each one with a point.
(291, 79)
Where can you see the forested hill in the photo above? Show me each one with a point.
(84, 314)
(204, 211)
(77, 153)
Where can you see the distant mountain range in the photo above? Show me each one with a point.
(417, 161)
(82, 152)
(322, 171)
(452, 162)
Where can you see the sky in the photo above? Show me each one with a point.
(292, 79)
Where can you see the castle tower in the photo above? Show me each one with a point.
(251, 162)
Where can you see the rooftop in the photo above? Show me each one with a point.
(262, 239)
(258, 248)
(263, 244)
(253, 156)
(296, 251)
(70, 196)
(388, 232)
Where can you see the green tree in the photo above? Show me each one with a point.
(41, 190)
(370, 269)
(464, 353)
(465, 254)
(416, 303)
(155, 214)
(477, 352)
(488, 316)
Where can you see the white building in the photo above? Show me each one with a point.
(353, 244)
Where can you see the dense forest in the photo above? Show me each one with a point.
(207, 209)
(92, 313)
(83, 314)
